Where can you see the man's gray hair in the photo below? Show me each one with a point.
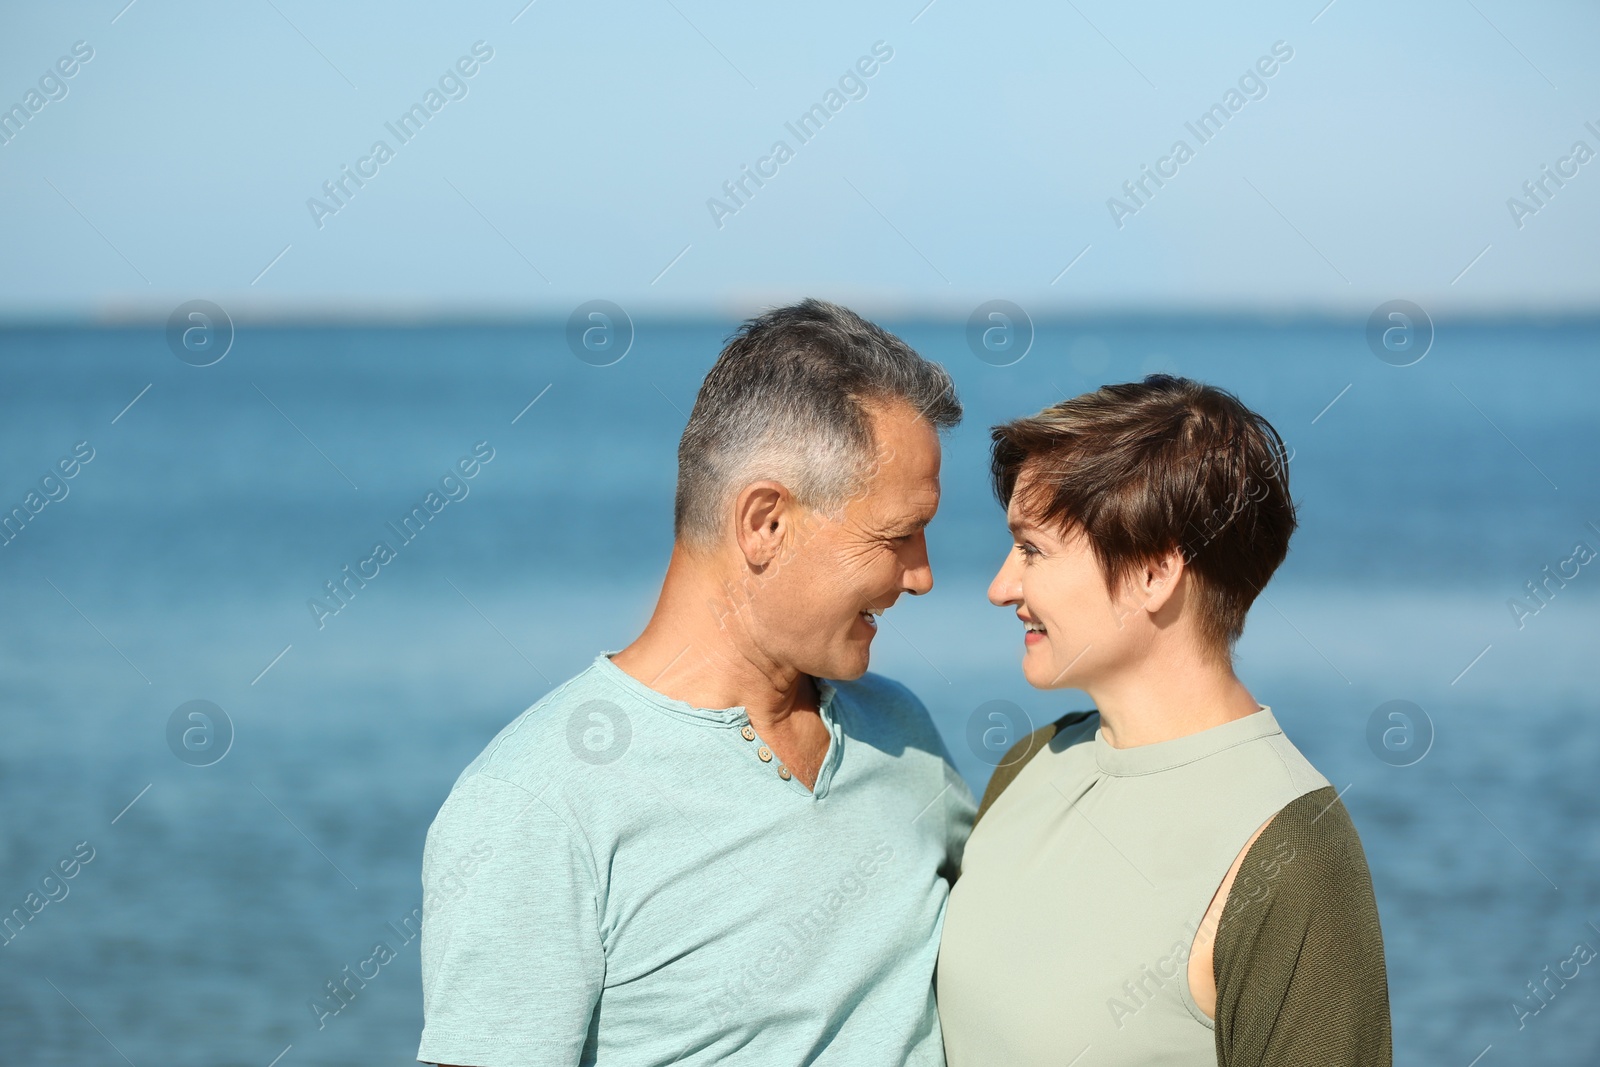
(787, 400)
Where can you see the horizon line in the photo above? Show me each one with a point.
(358, 314)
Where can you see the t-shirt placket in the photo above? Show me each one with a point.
(763, 753)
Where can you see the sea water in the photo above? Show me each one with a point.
(185, 560)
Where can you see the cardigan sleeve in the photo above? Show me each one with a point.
(1298, 957)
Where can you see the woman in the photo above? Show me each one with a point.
(1164, 879)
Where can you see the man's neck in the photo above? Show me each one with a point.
(1167, 696)
(696, 648)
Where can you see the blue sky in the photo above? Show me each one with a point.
(975, 163)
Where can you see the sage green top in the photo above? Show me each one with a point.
(1066, 938)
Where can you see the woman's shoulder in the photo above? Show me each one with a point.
(1298, 956)
(1308, 856)
(1071, 728)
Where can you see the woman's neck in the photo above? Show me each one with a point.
(1158, 703)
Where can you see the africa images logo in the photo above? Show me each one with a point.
(452, 86)
(1252, 85)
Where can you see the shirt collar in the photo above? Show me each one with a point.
(1165, 755)
(734, 716)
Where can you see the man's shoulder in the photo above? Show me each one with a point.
(580, 722)
(890, 708)
(877, 690)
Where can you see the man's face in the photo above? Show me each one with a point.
(814, 611)
(1074, 631)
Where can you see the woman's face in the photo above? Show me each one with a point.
(1074, 630)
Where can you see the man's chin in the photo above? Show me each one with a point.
(847, 663)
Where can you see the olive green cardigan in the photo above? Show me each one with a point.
(1298, 957)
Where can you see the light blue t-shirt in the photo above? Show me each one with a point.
(620, 878)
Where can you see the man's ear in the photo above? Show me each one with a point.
(762, 513)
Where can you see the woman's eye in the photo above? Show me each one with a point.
(1028, 551)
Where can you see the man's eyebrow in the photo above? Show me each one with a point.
(911, 527)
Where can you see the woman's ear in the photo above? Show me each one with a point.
(1158, 579)
(1152, 584)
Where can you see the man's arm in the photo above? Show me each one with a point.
(512, 963)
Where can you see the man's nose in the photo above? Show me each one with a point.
(918, 576)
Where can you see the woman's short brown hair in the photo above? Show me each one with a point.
(1144, 468)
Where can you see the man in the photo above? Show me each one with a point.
(727, 842)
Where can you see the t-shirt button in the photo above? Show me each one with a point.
(783, 772)
(764, 754)
(748, 733)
